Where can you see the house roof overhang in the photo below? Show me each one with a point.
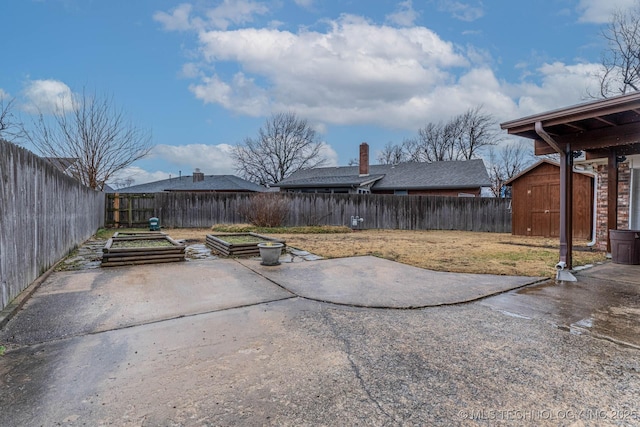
(595, 127)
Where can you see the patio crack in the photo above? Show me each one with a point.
(355, 368)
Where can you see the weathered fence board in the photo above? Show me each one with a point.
(43, 215)
(379, 211)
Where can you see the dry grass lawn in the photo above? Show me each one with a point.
(455, 251)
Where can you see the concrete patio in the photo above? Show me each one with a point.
(225, 342)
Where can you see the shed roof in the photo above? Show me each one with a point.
(537, 165)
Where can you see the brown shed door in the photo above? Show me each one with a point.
(544, 202)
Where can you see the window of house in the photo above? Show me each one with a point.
(401, 192)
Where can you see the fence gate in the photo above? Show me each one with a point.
(129, 210)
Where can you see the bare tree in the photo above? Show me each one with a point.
(461, 138)
(412, 150)
(391, 154)
(435, 143)
(507, 163)
(475, 130)
(10, 126)
(95, 134)
(620, 70)
(285, 144)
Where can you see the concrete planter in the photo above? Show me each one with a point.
(270, 252)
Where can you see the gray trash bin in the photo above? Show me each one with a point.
(625, 246)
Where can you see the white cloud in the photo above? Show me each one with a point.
(190, 71)
(3, 94)
(562, 85)
(462, 11)
(358, 72)
(599, 11)
(354, 68)
(235, 12)
(404, 16)
(227, 13)
(47, 96)
(307, 4)
(329, 154)
(177, 20)
(240, 95)
(210, 159)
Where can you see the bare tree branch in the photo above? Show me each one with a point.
(95, 134)
(391, 154)
(10, 125)
(507, 163)
(477, 130)
(461, 138)
(285, 144)
(620, 65)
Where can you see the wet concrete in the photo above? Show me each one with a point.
(263, 357)
(82, 302)
(604, 302)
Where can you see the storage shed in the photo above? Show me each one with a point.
(536, 202)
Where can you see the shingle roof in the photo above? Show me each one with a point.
(414, 175)
(185, 183)
(331, 181)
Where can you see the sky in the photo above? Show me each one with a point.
(204, 75)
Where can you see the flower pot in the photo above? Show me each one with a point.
(270, 253)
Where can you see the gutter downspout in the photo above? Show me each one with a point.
(566, 169)
(595, 203)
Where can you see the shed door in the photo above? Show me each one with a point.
(544, 200)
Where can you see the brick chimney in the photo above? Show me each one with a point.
(198, 176)
(364, 159)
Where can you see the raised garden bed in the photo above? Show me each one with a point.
(238, 244)
(141, 248)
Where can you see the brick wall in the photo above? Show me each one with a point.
(624, 186)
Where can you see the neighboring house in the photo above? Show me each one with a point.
(450, 178)
(199, 182)
(535, 201)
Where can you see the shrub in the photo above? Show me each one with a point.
(266, 210)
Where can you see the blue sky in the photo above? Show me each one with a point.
(204, 75)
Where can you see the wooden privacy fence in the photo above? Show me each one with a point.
(44, 214)
(191, 210)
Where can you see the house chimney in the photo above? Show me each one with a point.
(364, 159)
(198, 176)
